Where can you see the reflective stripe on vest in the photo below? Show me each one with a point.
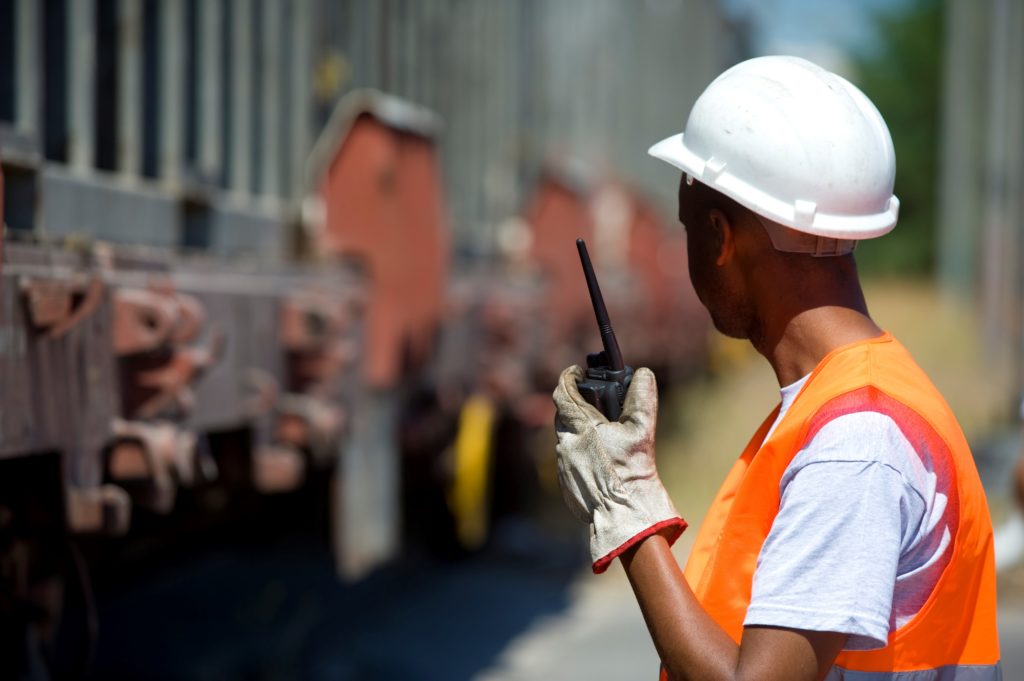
(954, 635)
(988, 672)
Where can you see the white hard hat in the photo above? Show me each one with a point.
(794, 143)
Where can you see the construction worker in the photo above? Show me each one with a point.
(852, 538)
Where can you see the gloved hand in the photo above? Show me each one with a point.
(607, 469)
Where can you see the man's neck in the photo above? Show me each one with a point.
(794, 346)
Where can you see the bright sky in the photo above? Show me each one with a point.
(820, 30)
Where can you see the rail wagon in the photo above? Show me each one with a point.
(201, 298)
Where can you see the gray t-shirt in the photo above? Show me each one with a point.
(862, 534)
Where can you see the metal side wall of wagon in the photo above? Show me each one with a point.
(62, 389)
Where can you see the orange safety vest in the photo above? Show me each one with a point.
(954, 634)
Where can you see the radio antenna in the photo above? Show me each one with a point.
(611, 345)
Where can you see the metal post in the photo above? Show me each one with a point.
(375, 47)
(1015, 176)
(392, 48)
(270, 77)
(995, 228)
(477, 149)
(241, 96)
(412, 20)
(211, 17)
(959, 200)
(27, 67)
(460, 111)
(172, 90)
(490, 128)
(300, 84)
(81, 18)
(129, 91)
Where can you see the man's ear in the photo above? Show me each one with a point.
(724, 236)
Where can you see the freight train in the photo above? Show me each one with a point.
(207, 305)
(129, 373)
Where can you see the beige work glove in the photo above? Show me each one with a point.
(607, 469)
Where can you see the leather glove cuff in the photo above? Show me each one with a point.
(622, 523)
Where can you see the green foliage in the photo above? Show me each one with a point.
(902, 74)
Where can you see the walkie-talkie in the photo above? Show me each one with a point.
(607, 377)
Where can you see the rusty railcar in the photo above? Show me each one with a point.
(379, 207)
(378, 181)
(128, 373)
(197, 297)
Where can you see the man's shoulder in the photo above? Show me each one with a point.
(872, 439)
(867, 436)
(881, 375)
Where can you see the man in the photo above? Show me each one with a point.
(852, 538)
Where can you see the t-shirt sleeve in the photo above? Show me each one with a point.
(831, 557)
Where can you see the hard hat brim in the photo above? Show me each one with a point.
(671, 150)
(802, 216)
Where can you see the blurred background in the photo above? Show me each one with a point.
(286, 286)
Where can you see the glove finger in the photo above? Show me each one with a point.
(574, 413)
(641, 405)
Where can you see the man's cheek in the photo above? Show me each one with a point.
(697, 271)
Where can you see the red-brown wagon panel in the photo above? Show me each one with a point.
(378, 179)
